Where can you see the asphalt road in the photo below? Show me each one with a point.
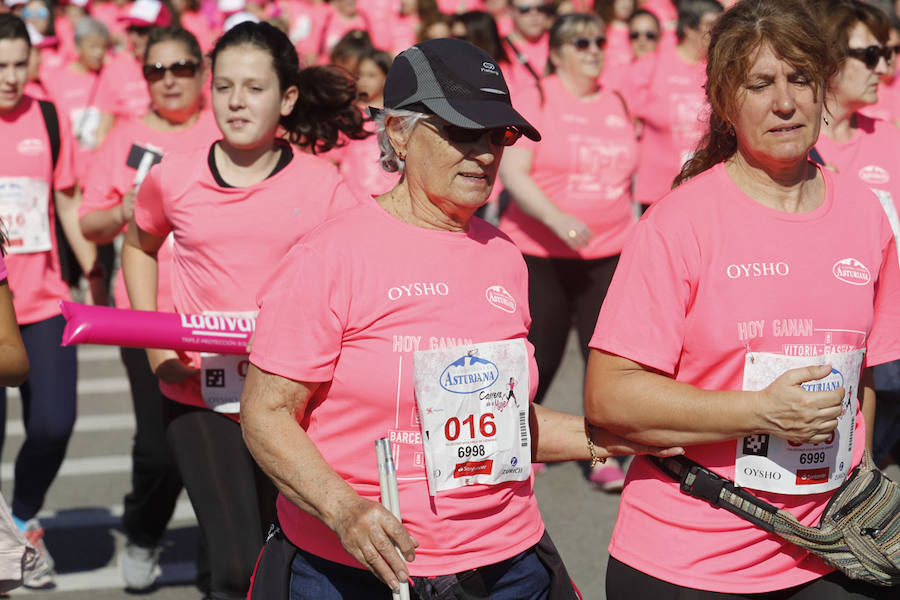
(83, 507)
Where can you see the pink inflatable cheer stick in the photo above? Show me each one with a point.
(146, 329)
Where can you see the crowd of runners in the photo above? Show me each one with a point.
(418, 201)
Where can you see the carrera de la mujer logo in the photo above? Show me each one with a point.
(469, 374)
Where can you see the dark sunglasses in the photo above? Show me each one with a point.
(870, 55)
(545, 9)
(499, 136)
(582, 43)
(139, 29)
(894, 49)
(650, 35)
(183, 68)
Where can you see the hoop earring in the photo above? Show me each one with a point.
(401, 156)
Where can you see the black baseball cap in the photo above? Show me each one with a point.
(456, 81)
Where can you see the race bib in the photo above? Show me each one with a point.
(473, 407)
(772, 464)
(222, 375)
(25, 210)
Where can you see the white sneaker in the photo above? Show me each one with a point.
(39, 574)
(139, 566)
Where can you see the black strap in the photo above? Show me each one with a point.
(523, 59)
(51, 122)
(699, 482)
(816, 157)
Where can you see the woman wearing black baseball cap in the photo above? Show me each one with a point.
(413, 327)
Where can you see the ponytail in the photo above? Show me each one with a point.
(325, 109)
(717, 145)
(325, 106)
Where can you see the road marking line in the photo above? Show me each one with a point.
(104, 516)
(84, 424)
(110, 578)
(94, 465)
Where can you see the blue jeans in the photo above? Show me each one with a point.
(522, 577)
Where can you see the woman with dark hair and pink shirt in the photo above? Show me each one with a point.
(234, 208)
(572, 206)
(742, 323)
(857, 146)
(413, 327)
(175, 75)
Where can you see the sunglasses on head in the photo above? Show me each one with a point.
(869, 56)
(182, 68)
(545, 9)
(499, 136)
(650, 35)
(583, 43)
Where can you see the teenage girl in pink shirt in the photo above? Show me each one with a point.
(865, 149)
(572, 205)
(759, 273)
(235, 209)
(175, 78)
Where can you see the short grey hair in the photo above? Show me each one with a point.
(390, 161)
(89, 26)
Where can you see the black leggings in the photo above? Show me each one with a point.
(233, 499)
(563, 292)
(155, 481)
(48, 410)
(626, 583)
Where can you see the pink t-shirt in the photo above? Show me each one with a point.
(122, 91)
(358, 330)
(198, 24)
(35, 278)
(52, 58)
(888, 106)
(112, 176)
(229, 240)
(3, 271)
(76, 96)
(666, 93)
(618, 46)
(358, 163)
(331, 28)
(111, 15)
(305, 20)
(708, 275)
(584, 163)
(517, 75)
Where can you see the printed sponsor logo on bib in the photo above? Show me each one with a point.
(874, 175)
(498, 297)
(852, 271)
(473, 411)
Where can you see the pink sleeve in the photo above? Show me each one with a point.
(149, 209)
(64, 175)
(106, 98)
(100, 190)
(635, 85)
(883, 344)
(302, 345)
(3, 272)
(644, 314)
(528, 104)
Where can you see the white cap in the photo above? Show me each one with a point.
(229, 7)
(148, 13)
(12, 3)
(238, 18)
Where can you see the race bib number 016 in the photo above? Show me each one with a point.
(25, 210)
(773, 464)
(473, 407)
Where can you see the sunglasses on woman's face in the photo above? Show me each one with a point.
(649, 35)
(545, 9)
(869, 56)
(499, 136)
(182, 68)
(583, 43)
(36, 13)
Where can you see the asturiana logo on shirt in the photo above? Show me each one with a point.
(498, 297)
(469, 374)
(874, 174)
(851, 271)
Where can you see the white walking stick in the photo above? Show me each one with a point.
(390, 496)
